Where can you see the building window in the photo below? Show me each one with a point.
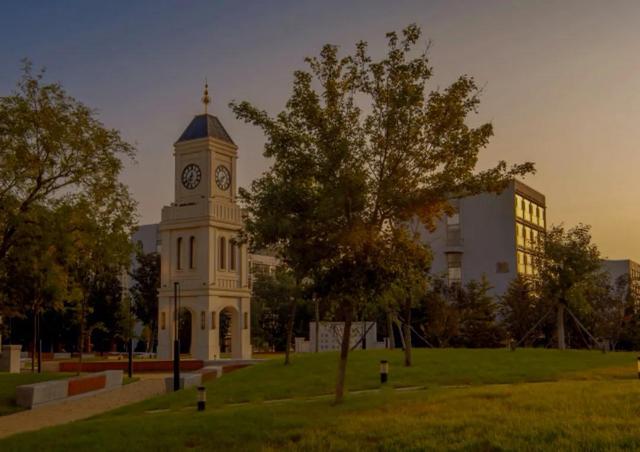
(179, 260)
(223, 253)
(454, 238)
(163, 320)
(519, 206)
(520, 258)
(454, 268)
(232, 255)
(192, 252)
(203, 320)
(213, 320)
(246, 320)
(519, 234)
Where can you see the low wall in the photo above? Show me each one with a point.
(36, 394)
(190, 379)
(138, 366)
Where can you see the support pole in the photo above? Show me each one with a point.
(176, 342)
(39, 345)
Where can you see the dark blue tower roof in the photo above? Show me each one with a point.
(205, 126)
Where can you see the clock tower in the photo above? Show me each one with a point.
(201, 259)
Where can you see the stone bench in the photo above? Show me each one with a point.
(190, 379)
(33, 395)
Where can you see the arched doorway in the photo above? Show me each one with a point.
(184, 332)
(228, 331)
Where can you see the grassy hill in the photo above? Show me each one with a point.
(451, 399)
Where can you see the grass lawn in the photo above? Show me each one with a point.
(9, 382)
(452, 399)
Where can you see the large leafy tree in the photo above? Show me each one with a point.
(52, 147)
(362, 147)
(570, 267)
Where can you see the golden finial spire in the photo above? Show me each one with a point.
(206, 100)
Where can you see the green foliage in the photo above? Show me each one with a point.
(478, 327)
(52, 147)
(570, 265)
(144, 292)
(270, 304)
(438, 317)
(65, 219)
(362, 147)
(521, 308)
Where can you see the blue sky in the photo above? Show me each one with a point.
(560, 80)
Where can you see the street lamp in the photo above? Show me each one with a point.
(176, 341)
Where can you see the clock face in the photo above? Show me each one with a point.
(223, 177)
(191, 176)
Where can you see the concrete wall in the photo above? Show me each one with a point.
(487, 227)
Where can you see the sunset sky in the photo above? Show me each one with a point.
(561, 81)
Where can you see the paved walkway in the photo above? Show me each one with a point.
(73, 410)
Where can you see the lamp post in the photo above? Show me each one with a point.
(176, 342)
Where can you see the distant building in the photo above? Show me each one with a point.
(330, 337)
(494, 235)
(627, 268)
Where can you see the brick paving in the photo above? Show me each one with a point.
(81, 408)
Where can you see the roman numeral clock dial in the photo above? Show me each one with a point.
(223, 177)
(191, 176)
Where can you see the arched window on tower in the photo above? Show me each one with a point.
(223, 253)
(232, 255)
(192, 252)
(179, 254)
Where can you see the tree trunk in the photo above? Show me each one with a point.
(560, 326)
(344, 354)
(81, 347)
(390, 337)
(34, 338)
(317, 344)
(407, 333)
(290, 321)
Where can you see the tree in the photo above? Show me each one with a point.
(411, 261)
(569, 265)
(35, 277)
(614, 316)
(361, 148)
(441, 321)
(144, 292)
(52, 147)
(271, 299)
(478, 316)
(522, 311)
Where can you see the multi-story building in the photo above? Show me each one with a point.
(495, 235)
(627, 268)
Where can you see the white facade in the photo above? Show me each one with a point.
(330, 337)
(198, 248)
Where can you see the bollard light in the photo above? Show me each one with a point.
(638, 366)
(202, 398)
(384, 371)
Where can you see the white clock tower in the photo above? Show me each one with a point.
(200, 252)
